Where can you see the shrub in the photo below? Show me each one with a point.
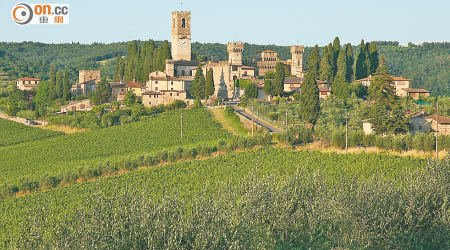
(369, 140)
(162, 156)
(398, 144)
(355, 138)
(338, 139)
(429, 142)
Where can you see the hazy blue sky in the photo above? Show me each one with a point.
(281, 22)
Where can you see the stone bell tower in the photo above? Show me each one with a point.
(297, 60)
(235, 50)
(181, 35)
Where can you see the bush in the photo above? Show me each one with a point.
(338, 139)
(355, 138)
(398, 144)
(369, 140)
(429, 142)
(274, 116)
(162, 156)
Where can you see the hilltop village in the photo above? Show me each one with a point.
(185, 79)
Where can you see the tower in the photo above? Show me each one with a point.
(181, 35)
(297, 60)
(235, 50)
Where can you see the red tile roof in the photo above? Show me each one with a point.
(324, 89)
(439, 119)
(410, 90)
(28, 79)
(293, 80)
(135, 85)
(152, 93)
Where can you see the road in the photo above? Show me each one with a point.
(21, 120)
(257, 121)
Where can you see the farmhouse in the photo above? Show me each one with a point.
(27, 83)
(136, 87)
(118, 91)
(83, 105)
(83, 88)
(401, 86)
(292, 84)
(415, 93)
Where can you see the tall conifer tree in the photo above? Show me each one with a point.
(326, 69)
(278, 82)
(66, 86)
(52, 85)
(350, 60)
(314, 61)
(373, 58)
(361, 67)
(340, 86)
(209, 83)
(336, 49)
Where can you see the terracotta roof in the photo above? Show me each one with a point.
(418, 115)
(28, 79)
(117, 84)
(152, 93)
(293, 80)
(440, 119)
(410, 90)
(324, 89)
(135, 85)
(260, 86)
(85, 82)
(168, 90)
(169, 78)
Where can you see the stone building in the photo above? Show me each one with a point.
(266, 61)
(235, 50)
(88, 75)
(83, 88)
(292, 84)
(118, 91)
(83, 105)
(415, 93)
(165, 97)
(297, 60)
(181, 35)
(27, 83)
(136, 87)
(401, 85)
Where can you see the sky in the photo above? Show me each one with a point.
(280, 22)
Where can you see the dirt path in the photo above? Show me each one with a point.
(219, 116)
(21, 120)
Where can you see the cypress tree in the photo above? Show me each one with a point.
(59, 84)
(209, 83)
(326, 69)
(118, 71)
(336, 49)
(340, 86)
(198, 85)
(131, 61)
(349, 52)
(382, 94)
(52, 85)
(314, 61)
(66, 86)
(373, 58)
(368, 62)
(278, 82)
(309, 99)
(361, 67)
(268, 87)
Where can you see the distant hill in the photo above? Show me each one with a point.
(428, 64)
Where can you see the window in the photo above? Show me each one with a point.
(149, 103)
(183, 23)
(171, 82)
(156, 82)
(170, 94)
(178, 94)
(156, 88)
(171, 88)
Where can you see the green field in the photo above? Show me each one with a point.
(27, 163)
(14, 133)
(261, 199)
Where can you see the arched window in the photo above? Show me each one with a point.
(183, 23)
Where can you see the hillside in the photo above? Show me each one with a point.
(24, 165)
(428, 65)
(12, 133)
(261, 199)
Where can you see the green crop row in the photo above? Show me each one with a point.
(12, 133)
(261, 199)
(31, 162)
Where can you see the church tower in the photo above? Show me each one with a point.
(235, 50)
(181, 35)
(297, 60)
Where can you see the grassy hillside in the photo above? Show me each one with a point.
(14, 133)
(262, 199)
(27, 163)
